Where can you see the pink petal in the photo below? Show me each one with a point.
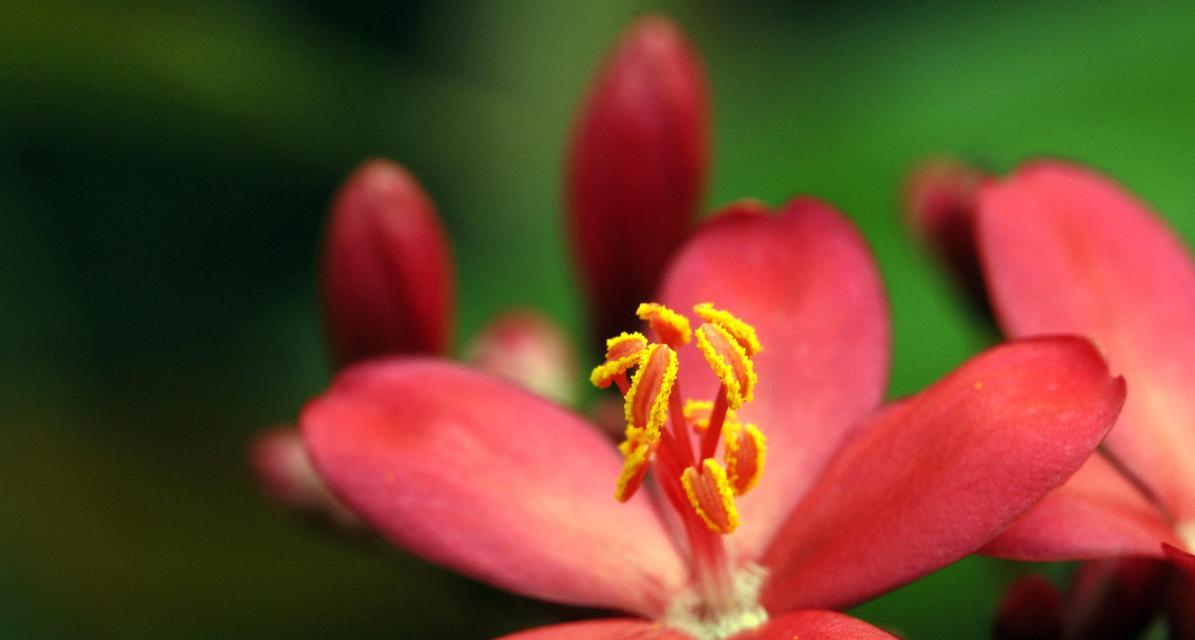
(935, 478)
(620, 629)
(490, 480)
(1068, 251)
(806, 281)
(815, 625)
(1096, 514)
(286, 477)
(637, 168)
(388, 284)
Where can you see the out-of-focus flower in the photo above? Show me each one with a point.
(497, 483)
(637, 168)
(387, 281)
(1031, 610)
(528, 349)
(1065, 250)
(285, 475)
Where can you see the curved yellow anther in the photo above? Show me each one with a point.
(729, 361)
(697, 414)
(745, 453)
(634, 468)
(647, 399)
(742, 332)
(622, 353)
(670, 327)
(710, 496)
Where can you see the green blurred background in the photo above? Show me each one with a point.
(165, 167)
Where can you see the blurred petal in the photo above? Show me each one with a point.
(1030, 610)
(940, 204)
(1096, 514)
(807, 283)
(492, 481)
(388, 276)
(530, 350)
(286, 476)
(815, 625)
(940, 475)
(600, 630)
(1112, 599)
(637, 168)
(1068, 251)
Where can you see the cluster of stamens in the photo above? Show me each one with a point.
(680, 441)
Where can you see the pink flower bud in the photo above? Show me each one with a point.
(940, 207)
(286, 477)
(1031, 610)
(637, 168)
(528, 349)
(388, 276)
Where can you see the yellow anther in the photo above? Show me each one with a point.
(670, 327)
(647, 399)
(697, 414)
(622, 353)
(746, 451)
(742, 332)
(711, 497)
(634, 468)
(729, 361)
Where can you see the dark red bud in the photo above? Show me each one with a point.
(388, 284)
(1115, 598)
(1180, 599)
(637, 168)
(287, 478)
(527, 348)
(1031, 610)
(941, 200)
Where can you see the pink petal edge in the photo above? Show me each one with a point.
(490, 480)
(1096, 514)
(935, 478)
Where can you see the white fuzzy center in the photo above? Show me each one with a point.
(689, 613)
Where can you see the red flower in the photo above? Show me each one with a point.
(637, 166)
(485, 478)
(1066, 250)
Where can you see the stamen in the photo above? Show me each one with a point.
(742, 332)
(729, 361)
(634, 469)
(669, 326)
(746, 450)
(647, 399)
(699, 412)
(622, 353)
(711, 496)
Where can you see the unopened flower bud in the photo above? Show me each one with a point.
(940, 208)
(527, 348)
(286, 477)
(388, 284)
(637, 168)
(1031, 610)
(1115, 597)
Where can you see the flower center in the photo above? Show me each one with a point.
(680, 442)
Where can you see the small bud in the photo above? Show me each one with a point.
(1031, 610)
(528, 349)
(1115, 598)
(637, 168)
(940, 208)
(388, 282)
(286, 476)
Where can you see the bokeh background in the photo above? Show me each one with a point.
(165, 166)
